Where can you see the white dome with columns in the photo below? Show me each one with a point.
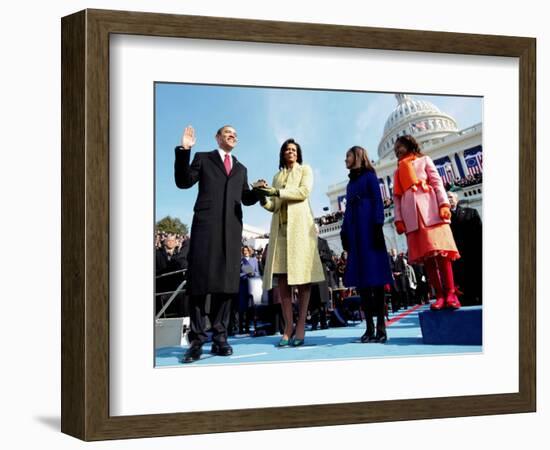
(420, 118)
(457, 155)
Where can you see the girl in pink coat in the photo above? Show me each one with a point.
(422, 212)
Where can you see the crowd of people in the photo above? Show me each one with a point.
(464, 182)
(259, 313)
(296, 281)
(409, 286)
(264, 317)
(328, 219)
(161, 236)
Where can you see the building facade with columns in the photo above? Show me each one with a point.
(457, 154)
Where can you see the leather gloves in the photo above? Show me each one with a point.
(400, 227)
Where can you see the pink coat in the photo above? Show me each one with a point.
(426, 203)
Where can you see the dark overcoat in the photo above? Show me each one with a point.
(397, 265)
(368, 263)
(326, 260)
(216, 231)
(467, 231)
(167, 264)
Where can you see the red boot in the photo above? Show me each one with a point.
(451, 301)
(439, 303)
(446, 270)
(435, 281)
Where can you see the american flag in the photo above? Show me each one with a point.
(473, 164)
(474, 160)
(442, 174)
(446, 172)
(420, 126)
(479, 157)
(383, 189)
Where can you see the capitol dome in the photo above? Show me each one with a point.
(419, 118)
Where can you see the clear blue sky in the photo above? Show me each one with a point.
(325, 123)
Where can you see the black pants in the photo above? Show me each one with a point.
(245, 317)
(373, 302)
(317, 308)
(232, 328)
(411, 293)
(220, 310)
(399, 299)
(319, 314)
(276, 320)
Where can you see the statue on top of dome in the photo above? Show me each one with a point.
(401, 98)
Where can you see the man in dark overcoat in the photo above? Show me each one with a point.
(216, 232)
(169, 259)
(399, 288)
(467, 231)
(320, 294)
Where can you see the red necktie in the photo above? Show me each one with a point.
(227, 164)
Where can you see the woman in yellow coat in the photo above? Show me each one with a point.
(292, 257)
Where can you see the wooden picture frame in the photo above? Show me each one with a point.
(85, 224)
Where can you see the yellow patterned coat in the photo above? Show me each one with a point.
(303, 261)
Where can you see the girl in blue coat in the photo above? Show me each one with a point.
(368, 268)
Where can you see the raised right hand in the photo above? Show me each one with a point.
(188, 138)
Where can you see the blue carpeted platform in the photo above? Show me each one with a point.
(452, 327)
(405, 339)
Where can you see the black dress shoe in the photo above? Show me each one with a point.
(221, 349)
(193, 353)
(367, 337)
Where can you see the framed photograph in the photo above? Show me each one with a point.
(292, 118)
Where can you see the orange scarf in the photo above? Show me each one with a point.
(405, 177)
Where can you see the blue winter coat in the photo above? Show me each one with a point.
(361, 233)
